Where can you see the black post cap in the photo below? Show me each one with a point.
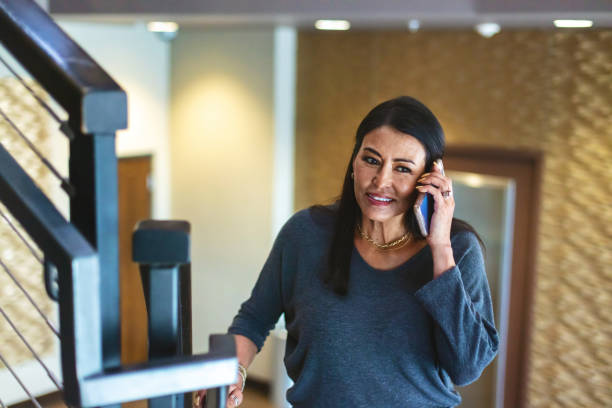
(161, 242)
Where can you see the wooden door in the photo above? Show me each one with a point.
(134, 205)
(525, 169)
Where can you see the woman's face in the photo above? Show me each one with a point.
(386, 170)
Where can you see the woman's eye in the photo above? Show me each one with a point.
(403, 169)
(370, 160)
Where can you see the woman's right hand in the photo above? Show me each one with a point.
(234, 396)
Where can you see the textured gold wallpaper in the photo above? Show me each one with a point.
(544, 90)
(34, 122)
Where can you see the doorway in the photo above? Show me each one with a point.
(134, 206)
(497, 191)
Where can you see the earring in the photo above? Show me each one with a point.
(352, 175)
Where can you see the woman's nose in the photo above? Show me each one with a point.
(383, 177)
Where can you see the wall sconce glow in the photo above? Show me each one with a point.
(332, 24)
(162, 26)
(414, 25)
(488, 30)
(473, 180)
(573, 23)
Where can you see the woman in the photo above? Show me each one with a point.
(377, 315)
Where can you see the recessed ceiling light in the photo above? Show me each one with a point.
(162, 26)
(573, 23)
(332, 24)
(414, 25)
(488, 30)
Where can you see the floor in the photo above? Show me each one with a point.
(256, 399)
(253, 398)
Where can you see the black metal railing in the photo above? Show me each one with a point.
(80, 256)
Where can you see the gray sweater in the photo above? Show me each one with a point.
(397, 339)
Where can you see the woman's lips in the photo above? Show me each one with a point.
(378, 200)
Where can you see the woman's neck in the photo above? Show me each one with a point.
(384, 232)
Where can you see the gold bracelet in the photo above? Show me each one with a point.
(243, 373)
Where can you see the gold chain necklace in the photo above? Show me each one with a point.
(398, 243)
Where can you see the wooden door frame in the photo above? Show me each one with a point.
(131, 355)
(503, 162)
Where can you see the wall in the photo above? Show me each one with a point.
(222, 128)
(542, 90)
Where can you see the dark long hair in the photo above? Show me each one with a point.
(408, 116)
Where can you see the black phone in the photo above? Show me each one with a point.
(424, 207)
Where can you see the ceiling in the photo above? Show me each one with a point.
(361, 13)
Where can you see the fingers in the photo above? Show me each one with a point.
(234, 399)
(437, 180)
(431, 189)
(445, 200)
(198, 398)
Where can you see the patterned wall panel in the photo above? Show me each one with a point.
(18, 104)
(542, 90)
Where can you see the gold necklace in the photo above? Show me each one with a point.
(398, 243)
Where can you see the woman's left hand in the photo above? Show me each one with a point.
(234, 396)
(441, 188)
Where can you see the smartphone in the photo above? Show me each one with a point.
(424, 207)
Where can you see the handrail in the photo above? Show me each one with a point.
(93, 100)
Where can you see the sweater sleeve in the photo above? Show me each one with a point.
(260, 312)
(459, 302)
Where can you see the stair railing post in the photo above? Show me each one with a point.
(94, 211)
(162, 250)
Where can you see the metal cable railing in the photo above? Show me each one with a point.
(26, 248)
(65, 183)
(30, 299)
(13, 275)
(22, 238)
(34, 353)
(64, 127)
(16, 131)
(27, 391)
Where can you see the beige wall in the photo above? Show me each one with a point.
(222, 139)
(540, 90)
